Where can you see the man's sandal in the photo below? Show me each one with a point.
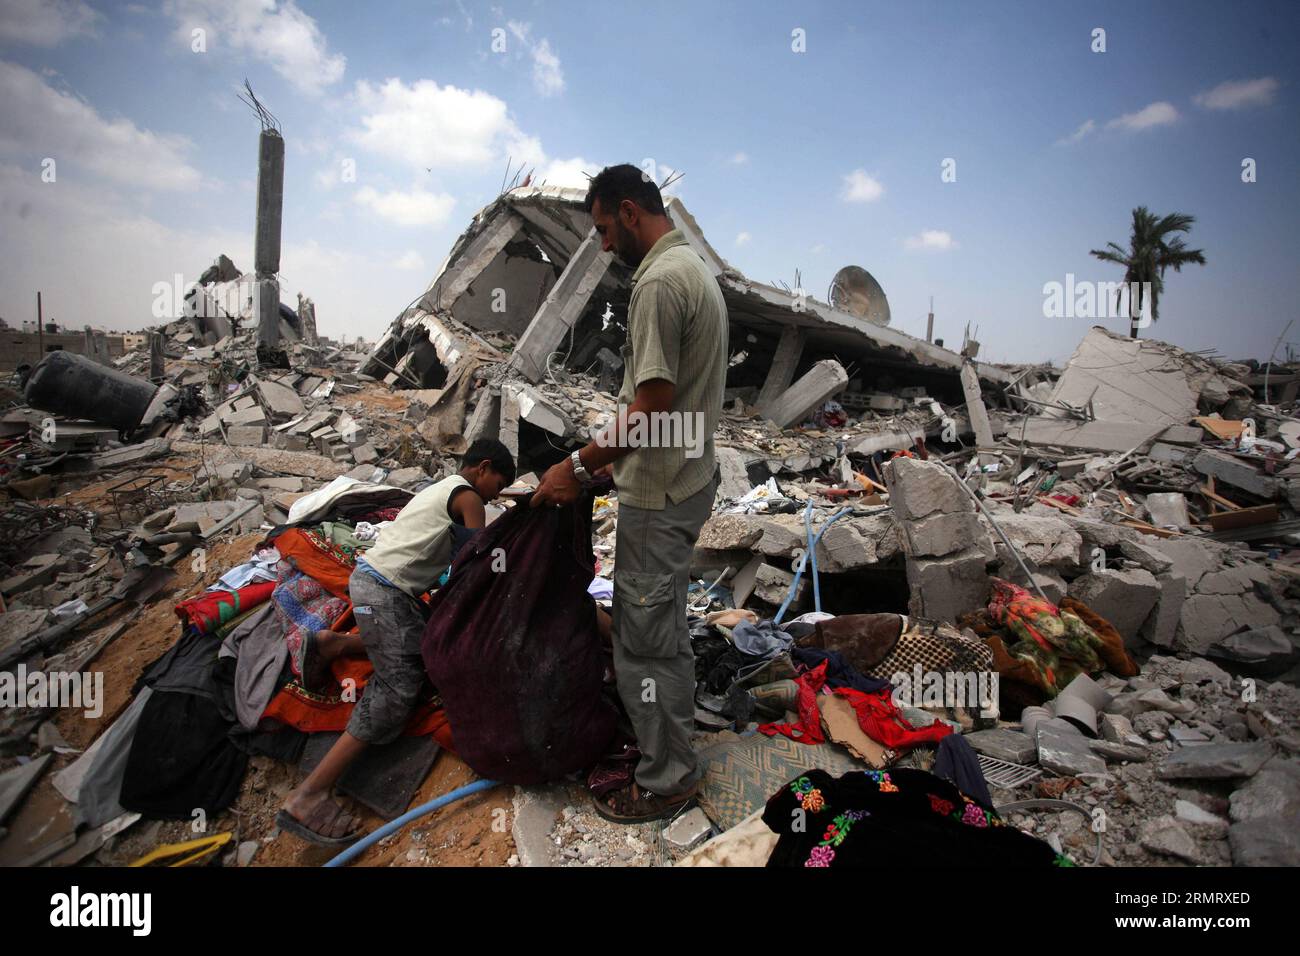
(326, 816)
(633, 804)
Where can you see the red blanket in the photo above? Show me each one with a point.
(211, 609)
(878, 716)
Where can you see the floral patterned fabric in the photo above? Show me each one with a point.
(887, 818)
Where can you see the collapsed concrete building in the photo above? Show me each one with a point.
(526, 298)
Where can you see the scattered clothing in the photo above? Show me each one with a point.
(875, 818)
(303, 604)
(763, 640)
(260, 654)
(957, 763)
(320, 560)
(93, 782)
(181, 759)
(260, 567)
(839, 673)
(877, 715)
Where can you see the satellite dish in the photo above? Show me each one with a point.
(855, 291)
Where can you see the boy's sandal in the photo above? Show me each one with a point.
(326, 817)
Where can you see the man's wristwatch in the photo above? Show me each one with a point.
(580, 472)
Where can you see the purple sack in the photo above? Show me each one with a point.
(512, 647)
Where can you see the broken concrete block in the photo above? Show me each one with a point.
(1192, 559)
(1168, 510)
(18, 624)
(1066, 754)
(1271, 842)
(773, 584)
(1161, 625)
(1216, 761)
(918, 489)
(729, 532)
(946, 588)
(246, 435)
(1233, 471)
(1174, 454)
(246, 416)
(1208, 619)
(364, 454)
(406, 477)
(943, 534)
(37, 570)
(1046, 542)
(1272, 793)
(281, 402)
(1265, 645)
(1009, 745)
(1165, 836)
(234, 472)
(859, 542)
(734, 478)
(1117, 753)
(821, 382)
(1124, 598)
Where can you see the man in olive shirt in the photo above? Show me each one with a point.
(661, 448)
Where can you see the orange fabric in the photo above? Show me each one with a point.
(315, 713)
(312, 559)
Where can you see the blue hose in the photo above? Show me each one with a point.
(392, 826)
(811, 555)
(812, 549)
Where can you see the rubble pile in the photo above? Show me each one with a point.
(1141, 506)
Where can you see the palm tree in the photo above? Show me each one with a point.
(1151, 252)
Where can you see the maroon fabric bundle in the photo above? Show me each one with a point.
(512, 647)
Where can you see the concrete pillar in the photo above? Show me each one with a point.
(307, 319)
(979, 415)
(485, 420)
(788, 352)
(266, 309)
(564, 304)
(510, 421)
(823, 381)
(157, 367)
(270, 202)
(266, 247)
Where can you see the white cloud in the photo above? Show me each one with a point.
(427, 125)
(740, 159)
(1238, 94)
(930, 240)
(416, 208)
(1084, 129)
(409, 261)
(44, 122)
(743, 239)
(46, 22)
(281, 34)
(548, 74)
(1154, 114)
(861, 187)
(819, 248)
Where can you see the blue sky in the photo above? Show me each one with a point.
(792, 160)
